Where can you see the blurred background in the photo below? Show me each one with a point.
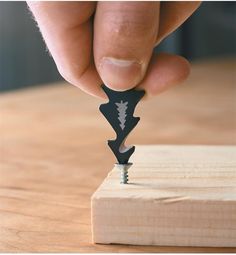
(210, 32)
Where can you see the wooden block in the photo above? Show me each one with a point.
(177, 196)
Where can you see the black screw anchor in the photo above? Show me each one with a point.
(119, 113)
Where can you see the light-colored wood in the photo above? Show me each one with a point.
(177, 196)
(53, 154)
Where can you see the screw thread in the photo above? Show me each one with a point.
(124, 176)
(123, 168)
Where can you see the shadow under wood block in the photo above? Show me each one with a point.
(177, 196)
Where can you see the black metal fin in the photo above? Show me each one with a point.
(119, 113)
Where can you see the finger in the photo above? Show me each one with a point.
(165, 70)
(67, 30)
(172, 15)
(124, 37)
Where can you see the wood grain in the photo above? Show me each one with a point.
(176, 196)
(53, 154)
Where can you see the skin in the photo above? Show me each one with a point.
(112, 43)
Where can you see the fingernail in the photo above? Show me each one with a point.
(120, 74)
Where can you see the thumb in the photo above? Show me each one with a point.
(124, 38)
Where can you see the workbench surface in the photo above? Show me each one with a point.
(53, 154)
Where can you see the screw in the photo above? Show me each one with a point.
(123, 172)
(124, 176)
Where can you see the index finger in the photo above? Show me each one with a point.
(67, 31)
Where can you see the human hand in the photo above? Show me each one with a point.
(112, 43)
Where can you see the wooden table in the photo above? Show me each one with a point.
(53, 154)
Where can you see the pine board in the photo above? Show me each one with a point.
(177, 196)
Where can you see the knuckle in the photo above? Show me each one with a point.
(124, 28)
(130, 38)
